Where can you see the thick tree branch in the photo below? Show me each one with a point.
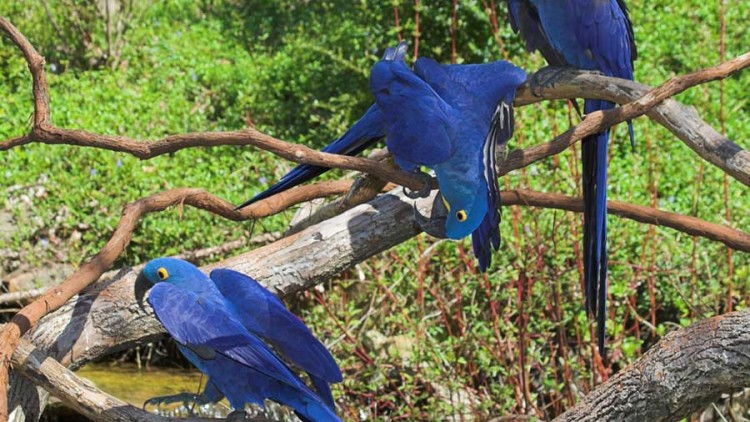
(107, 319)
(683, 373)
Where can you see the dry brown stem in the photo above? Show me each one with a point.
(43, 132)
(113, 319)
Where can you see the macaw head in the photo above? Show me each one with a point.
(170, 270)
(465, 208)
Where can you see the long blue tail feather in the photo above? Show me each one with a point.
(369, 129)
(594, 157)
(324, 391)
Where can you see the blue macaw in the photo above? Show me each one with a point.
(592, 35)
(450, 118)
(221, 335)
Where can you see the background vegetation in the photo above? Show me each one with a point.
(419, 333)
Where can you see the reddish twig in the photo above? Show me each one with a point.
(87, 273)
(733, 238)
(43, 132)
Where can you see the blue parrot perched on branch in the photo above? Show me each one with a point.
(594, 35)
(450, 118)
(218, 323)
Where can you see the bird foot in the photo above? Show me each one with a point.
(548, 76)
(237, 416)
(434, 225)
(396, 53)
(424, 191)
(185, 398)
(544, 78)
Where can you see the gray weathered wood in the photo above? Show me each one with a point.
(683, 121)
(683, 373)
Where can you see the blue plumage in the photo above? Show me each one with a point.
(266, 316)
(222, 338)
(368, 130)
(451, 118)
(589, 35)
(447, 117)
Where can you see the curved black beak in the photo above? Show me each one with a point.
(142, 285)
(434, 225)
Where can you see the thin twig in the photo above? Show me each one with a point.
(92, 270)
(89, 272)
(43, 132)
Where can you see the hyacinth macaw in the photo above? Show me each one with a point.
(450, 118)
(592, 35)
(218, 323)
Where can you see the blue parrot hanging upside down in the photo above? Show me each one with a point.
(450, 118)
(220, 323)
(594, 35)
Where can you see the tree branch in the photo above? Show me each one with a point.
(735, 239)
(107, 319)
(681, 374)
(81, 395)
(43, 132)
(683, 121)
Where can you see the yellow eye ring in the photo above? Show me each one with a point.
(162, 273)
(461, 215)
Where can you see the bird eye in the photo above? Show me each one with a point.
(461, 215)
(162, 273)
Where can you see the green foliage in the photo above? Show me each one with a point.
(451, 338)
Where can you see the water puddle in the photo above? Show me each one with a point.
(133, 385)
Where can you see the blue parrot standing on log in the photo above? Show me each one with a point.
(594, 35)
(218, 323)
(450, 118)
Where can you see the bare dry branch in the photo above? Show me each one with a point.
(43, 132)
(106, 318)
(735, 239)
